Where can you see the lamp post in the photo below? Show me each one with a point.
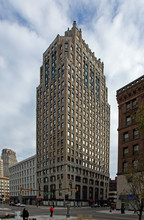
(68, 203)
(68, 210)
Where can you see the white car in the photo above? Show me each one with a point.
(20, 205)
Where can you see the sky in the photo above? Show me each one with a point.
(113, 29)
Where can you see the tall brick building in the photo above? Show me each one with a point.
(130, 140)
(73, 123)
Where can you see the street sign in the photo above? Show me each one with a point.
(49, 193)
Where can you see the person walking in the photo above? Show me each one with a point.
(51, 211)
(25, 214)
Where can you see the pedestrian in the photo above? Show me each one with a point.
(25, 214)
(51, 211)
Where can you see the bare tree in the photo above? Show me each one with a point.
(135, 179)
(140, 119)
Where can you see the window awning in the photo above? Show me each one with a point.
(39, 199)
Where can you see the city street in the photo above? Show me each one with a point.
(96, 213)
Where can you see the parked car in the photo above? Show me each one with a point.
(12, 203)
(20, 205)
(95, 205)
(105, 205)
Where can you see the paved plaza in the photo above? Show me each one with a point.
(4, 211)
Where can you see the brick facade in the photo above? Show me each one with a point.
(130, 140)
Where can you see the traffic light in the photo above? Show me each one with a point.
(20, 188)
(24, 191)
(30, 189)
(76, 189)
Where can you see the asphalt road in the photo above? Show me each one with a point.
(96, 213)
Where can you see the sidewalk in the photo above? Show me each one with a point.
(117, 212)
(45, 217)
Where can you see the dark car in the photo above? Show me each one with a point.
(95, 205)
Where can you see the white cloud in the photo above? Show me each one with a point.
(120, 46)
(20, 60)
(114, 31)
(46, 18)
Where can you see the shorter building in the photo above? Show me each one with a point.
(9, 158)
(113, 190)
(4, 188)
(1, 166)
(130, 139)
(22, 178)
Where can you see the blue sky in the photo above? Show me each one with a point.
(114, 30)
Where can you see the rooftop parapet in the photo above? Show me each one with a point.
(130, 85)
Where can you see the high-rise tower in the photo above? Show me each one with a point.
(9, 158)
(1, 166)
(73, 122)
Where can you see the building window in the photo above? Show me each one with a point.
(134, 103)
(135, 134)
(91, 182)
(133, 118)
(135, 149)
(125, 152)
(125, 166)
(66, 53)
(66, 45)
(125, 137)
(68, 158)
(72, 111)
(60, 191)
(135, 163)
(127, 106)
(128, 120)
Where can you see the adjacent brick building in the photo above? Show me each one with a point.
(130, 140)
